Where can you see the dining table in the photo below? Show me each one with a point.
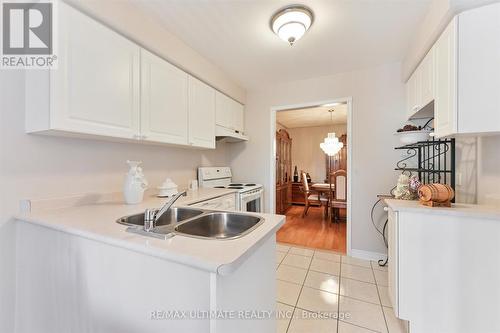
(325, 189)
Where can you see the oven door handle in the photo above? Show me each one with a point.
(254, 194)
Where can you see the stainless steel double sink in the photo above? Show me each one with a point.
(197, 223)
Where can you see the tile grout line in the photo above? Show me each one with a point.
(341, 263)
(357, 325)
(301, 247)
(286, 253)
(374, 267)
(353, 324)
(380, 300)
(335, 293)
(329, 292)
(345, 277)
(300, 292)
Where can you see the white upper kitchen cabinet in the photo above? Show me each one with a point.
(106, 86)
(420, 87)
(479, 70)
(239, 117)
(164, 101)
(201, 106)
(467, 74)
(95, 90)
(412, 93)
(445, 79)
(427, 79)
(229, 113)
(223, 114)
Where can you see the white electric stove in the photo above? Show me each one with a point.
(250, 195)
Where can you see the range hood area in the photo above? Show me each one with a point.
(224, 134)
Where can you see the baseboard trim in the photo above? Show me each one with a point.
(368, 255)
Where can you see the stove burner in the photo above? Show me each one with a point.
(250, 184)
(235, 187)
(235, 184)
(219, 187)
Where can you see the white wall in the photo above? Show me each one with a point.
(466, 160)
(378, 97)
(488, 185)
(306, 153)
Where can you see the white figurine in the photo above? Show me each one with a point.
(402, 190)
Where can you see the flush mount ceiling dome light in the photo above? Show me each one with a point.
(292, 22)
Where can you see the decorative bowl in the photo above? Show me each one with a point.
(409, 137)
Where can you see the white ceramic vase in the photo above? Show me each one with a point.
(135, 184)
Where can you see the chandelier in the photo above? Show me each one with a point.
(331, 145)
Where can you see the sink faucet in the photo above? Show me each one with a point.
(153, 215)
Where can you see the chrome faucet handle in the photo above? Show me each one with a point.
(149, 219)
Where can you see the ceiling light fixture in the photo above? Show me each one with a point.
(331, 145)
(292, 22)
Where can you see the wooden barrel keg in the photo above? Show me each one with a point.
(436, 193)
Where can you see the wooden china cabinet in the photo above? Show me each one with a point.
(283, 171)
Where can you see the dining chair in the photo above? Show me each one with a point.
(339, 200)
(310, 197)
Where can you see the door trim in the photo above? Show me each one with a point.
(271, 198)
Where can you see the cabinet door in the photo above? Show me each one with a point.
(411, 94)
(223, 114)
(445, 81)
(238, 117)
(229, 113)
(479, 70)
(96, 87)
(393, 260)
(164, 105)
(201, 114)
(427, 79)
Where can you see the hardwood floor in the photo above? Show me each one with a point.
(314, 230)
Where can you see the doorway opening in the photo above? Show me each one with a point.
(312, 173)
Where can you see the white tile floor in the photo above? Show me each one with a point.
(314, 283)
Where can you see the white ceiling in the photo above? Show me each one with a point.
(235, 35)
(317, 116)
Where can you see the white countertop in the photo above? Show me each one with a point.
(97, 221)
(479, 211)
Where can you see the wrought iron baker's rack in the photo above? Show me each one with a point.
(435, 161)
